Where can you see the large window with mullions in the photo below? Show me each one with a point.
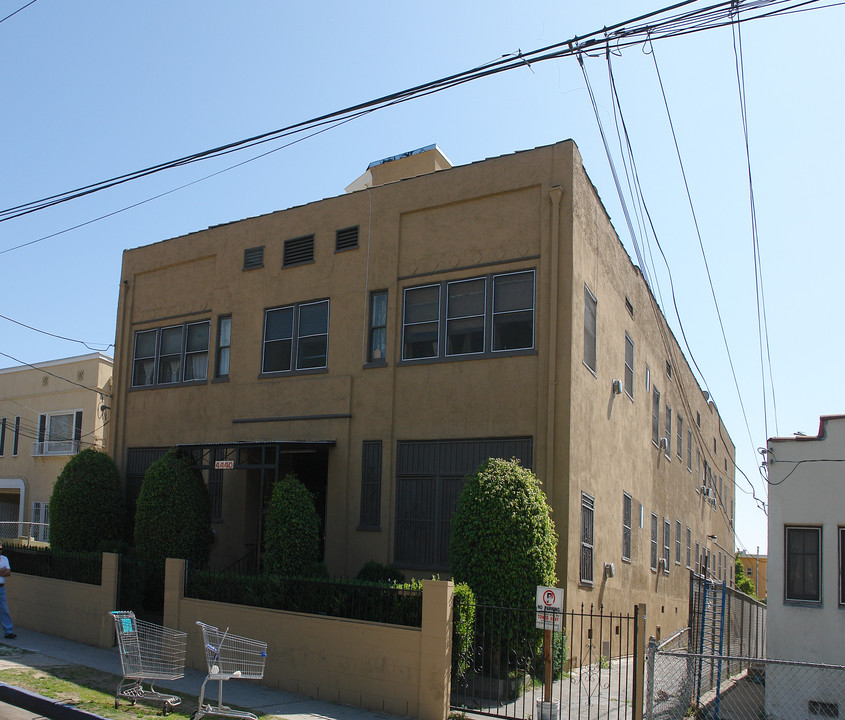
(471, 317)
(296, 337)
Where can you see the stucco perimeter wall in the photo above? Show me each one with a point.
(387, 668)
(76, 611)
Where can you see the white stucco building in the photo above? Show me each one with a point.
(806, 585)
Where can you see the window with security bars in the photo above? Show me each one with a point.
(626, 526)
(370, 517)
(346, 239)
(803, 564)
(587, 509)
(40, 529)
(298, 251)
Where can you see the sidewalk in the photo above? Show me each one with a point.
(47, 650)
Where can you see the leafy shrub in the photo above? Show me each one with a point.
(292, 529)
(86, 507)
(463, 628)
(503, 542)
(375, 572)
(171, 519)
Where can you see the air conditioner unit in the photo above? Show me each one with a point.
(616, 387)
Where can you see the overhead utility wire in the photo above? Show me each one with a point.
(622, 34)
(58, 377)
(59, 337)
(31, 2)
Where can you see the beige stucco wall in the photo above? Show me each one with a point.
(67, 609)
(58, 386)
(533, 210)
(387, 668)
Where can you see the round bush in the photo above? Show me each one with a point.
(172, 516)
(292, 529)
(503, 541)
(375, 572)
(86, 507)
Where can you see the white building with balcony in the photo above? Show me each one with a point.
(48, 412)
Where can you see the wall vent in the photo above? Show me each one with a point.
(346, 239)
(298, 251)
(253, 258)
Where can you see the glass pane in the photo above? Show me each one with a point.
(420, 341)
(145, 344)
(379, 347)
(422, 304)
(312, 352)
(513, 292)
(223, 362)
(465, 336)
(198, 337)
(224, 338)
(313, 319)
(379, 318)
(513, 331)
(169, 369)
(466, 298)
(171, 340)
(60, 427)
(196, 366)
(279, 324)
(143, 373)
(277, 356)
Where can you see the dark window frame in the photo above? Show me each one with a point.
(591, 322)
(376, 326)
(371, 471)
(667, 545)
(17, 436)
(2, 437)
(808, 561)
(156, 357)
(629, 366)
(627, 524)
(653, 555)
(588, 504)
(223, 349)
(296, 339)
(655, 415)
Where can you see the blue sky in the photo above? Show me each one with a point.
(94, 89)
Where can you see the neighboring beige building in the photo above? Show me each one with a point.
(383, 343)
(755, 569)
(48, 412)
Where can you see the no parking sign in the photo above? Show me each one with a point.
(549, 608)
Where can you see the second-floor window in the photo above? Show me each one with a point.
(629, 366)
(224, 346)
(477, 316)
(296, 337)
(171, 355)
(58, 433)
(377, 349)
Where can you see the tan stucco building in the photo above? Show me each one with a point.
(384, 342)
(48, 412)
(754, 567)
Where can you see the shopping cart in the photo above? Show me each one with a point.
(148, 652)
(229, 656)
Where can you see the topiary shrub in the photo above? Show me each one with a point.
(86, 507)
(503, 541)
(172, 519)
(375, 572)
(292, 529)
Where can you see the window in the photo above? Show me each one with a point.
(689, 547)
(655, 416)
(254, 258)
(629, 307)
(474, 321)
(668, 370)
(58, 433)
(465, 317)
(842, 566)
(40, 529)
(587, 505)
(298, 251)
(17, 435)
(677, 542)
(346, 239)
(2, 436)
(697, 558)
(698, 419)
(668, 448)
(224, 346)
(689, 450)
(647, 379)
(680, 437)
(667, 541)
(654, 541)
(626, 526)
(171, 355)
(590, 308)
(749, 571)
(377, 347)
(803, 564)
(370, 518)
(629, 366)
(296, 337)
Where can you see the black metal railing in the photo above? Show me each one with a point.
(59, 565)
(499, 670)
(399, 604)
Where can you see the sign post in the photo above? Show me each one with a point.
(549, 619)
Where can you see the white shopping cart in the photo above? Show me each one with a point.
(229, 656)
(148, 652)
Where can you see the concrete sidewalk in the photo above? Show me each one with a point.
(46, 650)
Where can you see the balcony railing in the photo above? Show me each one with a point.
(55, 447)
(27, 531)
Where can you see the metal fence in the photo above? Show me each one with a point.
(59, 565)
(755, 689)
(498, 669)
(25, 531)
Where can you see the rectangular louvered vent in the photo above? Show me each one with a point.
(253, 258)
(298, 251)
(346, 239)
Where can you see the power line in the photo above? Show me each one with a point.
(60, 337)
(58, 377)
(31, 2)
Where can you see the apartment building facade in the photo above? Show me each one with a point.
(383, 343)
(49, 411)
